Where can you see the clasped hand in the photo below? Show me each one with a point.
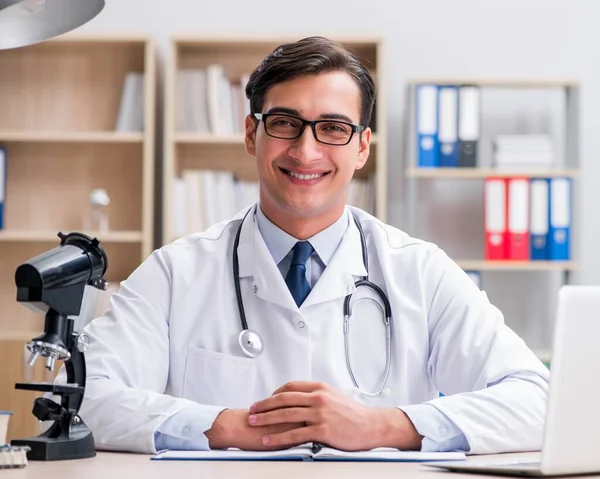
(315, 412)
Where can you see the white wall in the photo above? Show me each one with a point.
(490, 38)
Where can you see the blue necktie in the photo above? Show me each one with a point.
(296, 276)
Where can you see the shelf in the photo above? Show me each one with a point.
(481, 173)
(508, 265)
(71, 136)
(500, 82)
(52, 236)
(208, 139)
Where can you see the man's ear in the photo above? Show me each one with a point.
(363, 148)
(250, 136)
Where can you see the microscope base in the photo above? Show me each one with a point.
(80, 445)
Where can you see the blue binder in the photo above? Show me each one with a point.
(2, 185)
(427, 125)
(539, 218)
(559, 231)
(448, 126)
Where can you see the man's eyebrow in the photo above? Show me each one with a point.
(283, 109)
(323, 116)
(336, 116)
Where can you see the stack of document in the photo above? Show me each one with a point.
(10, 456)
(304, 453)
(131, 108)
(523, 151)
(209, 102)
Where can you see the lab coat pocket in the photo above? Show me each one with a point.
(219, 379)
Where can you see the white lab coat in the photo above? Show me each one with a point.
(170, 338)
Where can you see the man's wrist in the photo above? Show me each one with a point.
(395, 429)
(221, 432)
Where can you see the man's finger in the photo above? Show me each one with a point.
(294, 437)
(282, 400)
(283, 416)
(301, 386)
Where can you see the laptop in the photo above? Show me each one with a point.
(571, 429)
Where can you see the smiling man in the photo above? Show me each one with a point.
(244, 335)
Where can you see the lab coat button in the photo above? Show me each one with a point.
(442, 431)
(350, 288)
(300, 324)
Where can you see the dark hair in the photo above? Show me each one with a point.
(311, 55)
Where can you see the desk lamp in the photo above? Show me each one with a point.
(24, 22)
(53, 283)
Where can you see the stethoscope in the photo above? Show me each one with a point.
(252, 344)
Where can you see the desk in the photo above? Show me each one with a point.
(111, 465)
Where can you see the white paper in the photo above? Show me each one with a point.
(382, 454)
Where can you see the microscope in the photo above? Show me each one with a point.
(53, 283)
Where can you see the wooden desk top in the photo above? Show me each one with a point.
(111, 465)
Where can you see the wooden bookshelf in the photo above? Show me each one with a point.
(566, 165)
(239, 56)
(482, 173)
(483, 265)
(71, 137)
(61, 101)
(499, 82)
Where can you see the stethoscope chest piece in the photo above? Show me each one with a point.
(251, 343)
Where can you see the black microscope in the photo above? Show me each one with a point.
(53, 283)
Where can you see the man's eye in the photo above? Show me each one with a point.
(335, 127)
(281, 122)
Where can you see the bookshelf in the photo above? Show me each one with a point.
(507, 265)
(482, 173)
(61, 101)
(238, 56)
(470, 180)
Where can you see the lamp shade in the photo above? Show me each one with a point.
(24, 22)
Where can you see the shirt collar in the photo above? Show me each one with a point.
(279, 243)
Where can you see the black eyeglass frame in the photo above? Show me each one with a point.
(313, 124)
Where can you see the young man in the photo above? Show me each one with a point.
(168, 368)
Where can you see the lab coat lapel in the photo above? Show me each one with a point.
(256, 261)
(344, 269)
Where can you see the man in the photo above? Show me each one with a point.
(166, 367)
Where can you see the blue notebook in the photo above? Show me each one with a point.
(304, 453)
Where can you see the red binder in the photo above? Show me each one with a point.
(495, 212)
(517, 247)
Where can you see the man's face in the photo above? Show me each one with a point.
(325, 170)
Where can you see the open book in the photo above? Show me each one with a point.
(304, 453)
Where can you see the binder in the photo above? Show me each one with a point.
(539, 218)
(427, 124)
(2, 185)
(495, 218)
(518, 219)
(448, 126)
(559, 233)
(468, 125)
(475, 277)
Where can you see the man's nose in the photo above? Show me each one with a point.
(306, 147)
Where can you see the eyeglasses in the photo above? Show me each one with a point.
(289, 127)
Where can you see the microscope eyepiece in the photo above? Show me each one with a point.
(56, 278)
